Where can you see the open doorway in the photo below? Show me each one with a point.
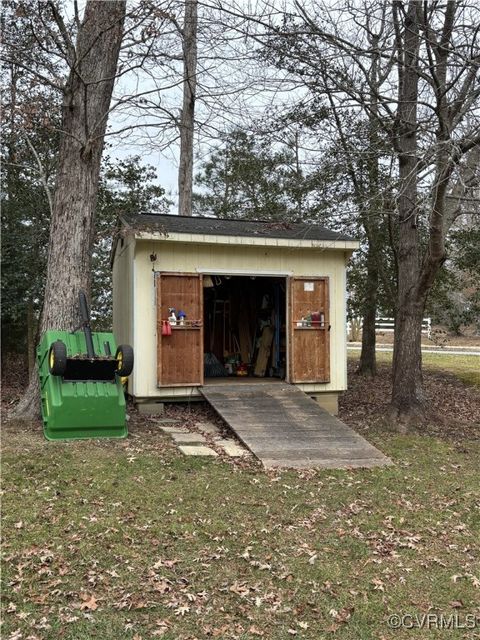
(245, 322)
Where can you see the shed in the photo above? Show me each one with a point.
(253, 301)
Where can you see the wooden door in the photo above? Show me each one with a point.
(180, 355)
(309, 340)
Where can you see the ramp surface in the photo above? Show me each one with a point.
(283, 427)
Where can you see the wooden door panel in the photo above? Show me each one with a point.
(309, 345)
(180, 355)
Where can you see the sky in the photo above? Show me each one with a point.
(166, 166)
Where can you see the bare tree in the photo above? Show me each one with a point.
(426, 100)
(185, 171)
(92, 61)
(453, 63)
(364, 175)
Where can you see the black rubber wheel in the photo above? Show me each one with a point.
(124, 358)
(57, 358)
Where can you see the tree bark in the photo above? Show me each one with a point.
(185, 171)
(31, 333)
(368, 361)
(87, 96)
(407, 396)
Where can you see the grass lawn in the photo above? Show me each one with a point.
(128, 539)
(466, 368)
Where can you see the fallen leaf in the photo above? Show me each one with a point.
(113, 573)
(378, 584)
(345, 614)
(475, 581)
(162, 629)
(89, 602)
(182, 610)
(162, 586)
(165, 563)
(333, 628)
(239, 588)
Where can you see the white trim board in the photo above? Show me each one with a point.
(243, 272)
(198, 238)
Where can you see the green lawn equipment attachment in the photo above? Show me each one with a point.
(81, 382)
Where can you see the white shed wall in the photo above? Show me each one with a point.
(189, 257)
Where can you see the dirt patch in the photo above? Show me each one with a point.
(453, 408)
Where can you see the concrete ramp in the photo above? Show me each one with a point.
(283, 427)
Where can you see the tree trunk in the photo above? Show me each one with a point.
(407, 394)
(87, 96)
(407, 397)
(298, 176)
(368, 362)
(31, 333)
(185, 171)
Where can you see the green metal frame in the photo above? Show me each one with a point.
(74, 410)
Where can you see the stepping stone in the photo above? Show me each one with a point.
(232, 448)
(151, 408)
(208, 427)
(197, 450)
(188, 438)
(172, 430)
(167, 421)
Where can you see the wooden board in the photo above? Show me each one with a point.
(264, 351)
(180, 356)
(283, 427)
(309, 346)
(244, 334)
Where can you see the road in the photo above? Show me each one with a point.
(448, 351)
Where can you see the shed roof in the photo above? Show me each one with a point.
(167, 223)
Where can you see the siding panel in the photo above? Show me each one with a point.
(172, 256)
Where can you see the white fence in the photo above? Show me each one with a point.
(387, 325)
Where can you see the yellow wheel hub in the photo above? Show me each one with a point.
(120, 360)
(51, 359)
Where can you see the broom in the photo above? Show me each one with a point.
(212, 367)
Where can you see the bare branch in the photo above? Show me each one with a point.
(41, 171)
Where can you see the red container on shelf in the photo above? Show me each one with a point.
(242, 370)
